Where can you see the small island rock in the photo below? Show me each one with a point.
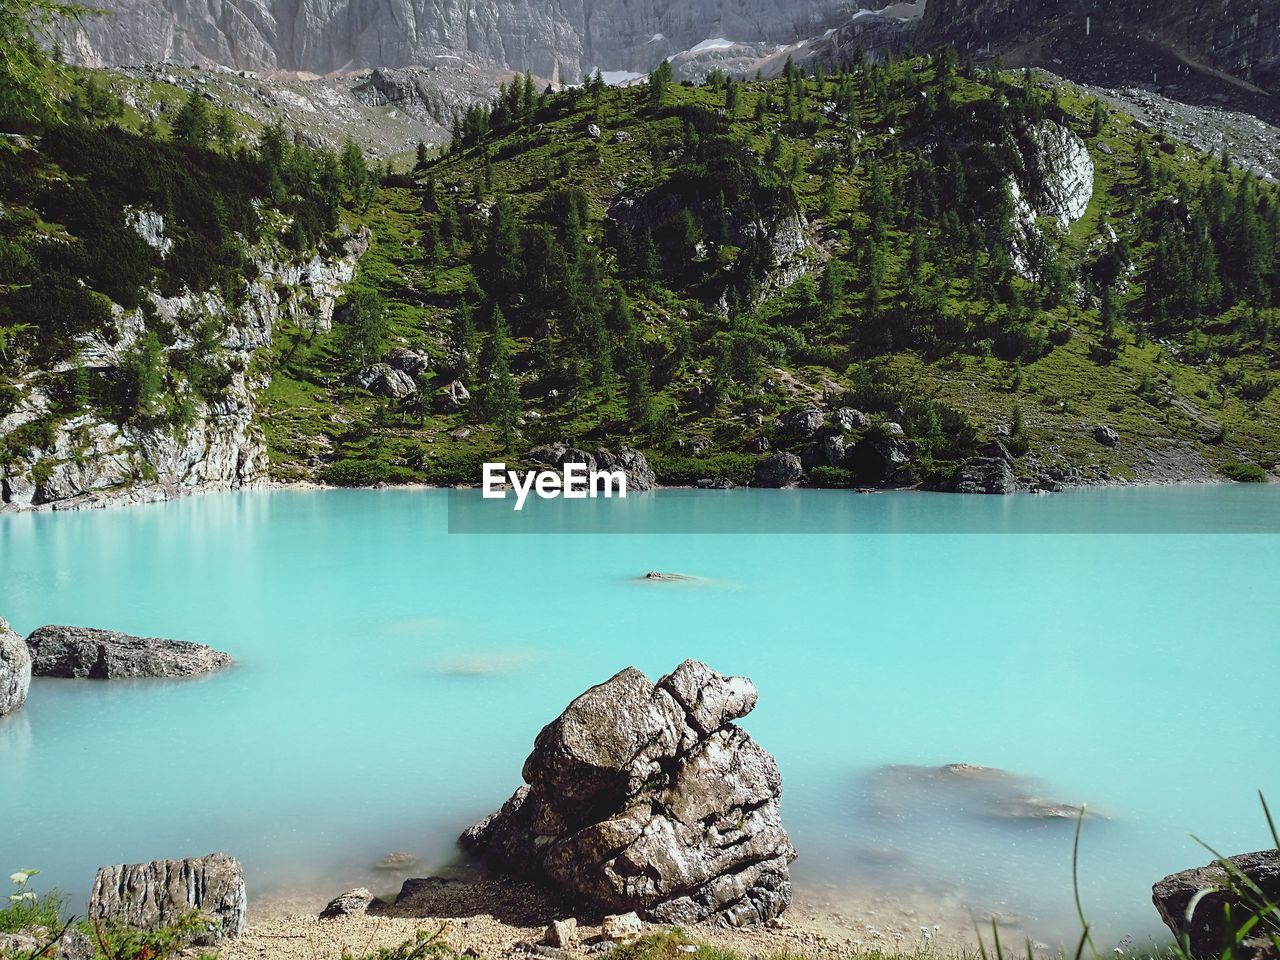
(647, 798)
(88, 653)
(15, 670)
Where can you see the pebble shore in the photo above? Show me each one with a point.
(499, 918)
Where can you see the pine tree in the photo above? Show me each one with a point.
(660, 84)
(193, 123)
(499, 399)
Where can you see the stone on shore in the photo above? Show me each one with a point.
(163, 892)
(647, 798)
(621, 927)
(778, 470)
(15, 670)
(562, 933)
(88, 653)
(1207, 930)
(346, 904)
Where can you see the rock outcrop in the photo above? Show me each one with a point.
(86, 653)
(991, 471)
(15, 670)
(1207, 930)
(647, 797)
(162, 892)
(778, 470)
(91, 460)
(640, 475)
(555, 39)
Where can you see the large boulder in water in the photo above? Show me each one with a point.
(160, 893)
(15, 670)
(1207, 928)
(647, 797)
(88, 653)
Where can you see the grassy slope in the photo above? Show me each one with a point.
(1162, 407)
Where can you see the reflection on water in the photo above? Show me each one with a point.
(391, 678)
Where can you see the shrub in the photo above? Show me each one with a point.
(25, 908)
(738, 468)
(453, 469)
(1243, 472)
(356, 473)
(831, 477)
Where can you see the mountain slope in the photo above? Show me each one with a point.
(884, 273)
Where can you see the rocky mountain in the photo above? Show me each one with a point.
(1227, 52)
(554, 39)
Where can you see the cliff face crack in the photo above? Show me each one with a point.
(700, 839)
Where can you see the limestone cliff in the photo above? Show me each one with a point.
(551, 38)
(88, 459)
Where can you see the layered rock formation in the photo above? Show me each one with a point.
(1216, 886)
(15, 670)
(160, 893)
(552, 38)
(88, 654)
(90, 459)
(648, 797)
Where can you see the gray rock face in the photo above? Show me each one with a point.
(155, 894)
(647, 797)
(1105, 435)
(91, 460)
(1174, 894)
(15, 670)
(1240, 37)
(555, 39)
(89, 654)
(778, 470)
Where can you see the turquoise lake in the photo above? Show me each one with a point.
(391, 677)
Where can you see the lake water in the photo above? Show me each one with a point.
(391, 677)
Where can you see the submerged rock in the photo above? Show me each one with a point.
(901, 791)
(160, 893)
(397, 861)
(15, 670)
(88, 653)
(1207, 930)
(648, 798)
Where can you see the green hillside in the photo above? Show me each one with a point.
(586, 264)
(882, 270)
